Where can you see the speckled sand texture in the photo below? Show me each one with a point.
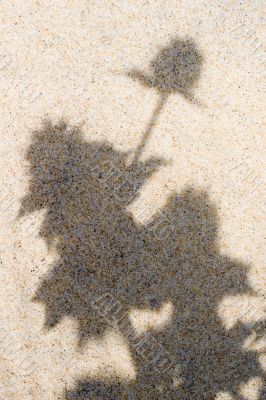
(132, 200)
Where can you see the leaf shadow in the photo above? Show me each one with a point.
(85, 189)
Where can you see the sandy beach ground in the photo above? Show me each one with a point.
(132, 200)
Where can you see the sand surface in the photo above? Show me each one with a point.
(132, 201)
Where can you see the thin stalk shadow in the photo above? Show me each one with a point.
(155, 115)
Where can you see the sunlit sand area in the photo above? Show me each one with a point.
(132, 200)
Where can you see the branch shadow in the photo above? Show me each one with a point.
(85, 188)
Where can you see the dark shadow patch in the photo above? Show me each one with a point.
(175, 69)
(85, 189)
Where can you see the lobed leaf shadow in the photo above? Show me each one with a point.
(85, 188)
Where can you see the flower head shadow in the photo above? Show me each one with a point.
(174, 70)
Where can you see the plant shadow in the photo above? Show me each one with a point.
(175, 69)
(85, 189)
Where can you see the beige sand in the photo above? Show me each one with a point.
(132, 200)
